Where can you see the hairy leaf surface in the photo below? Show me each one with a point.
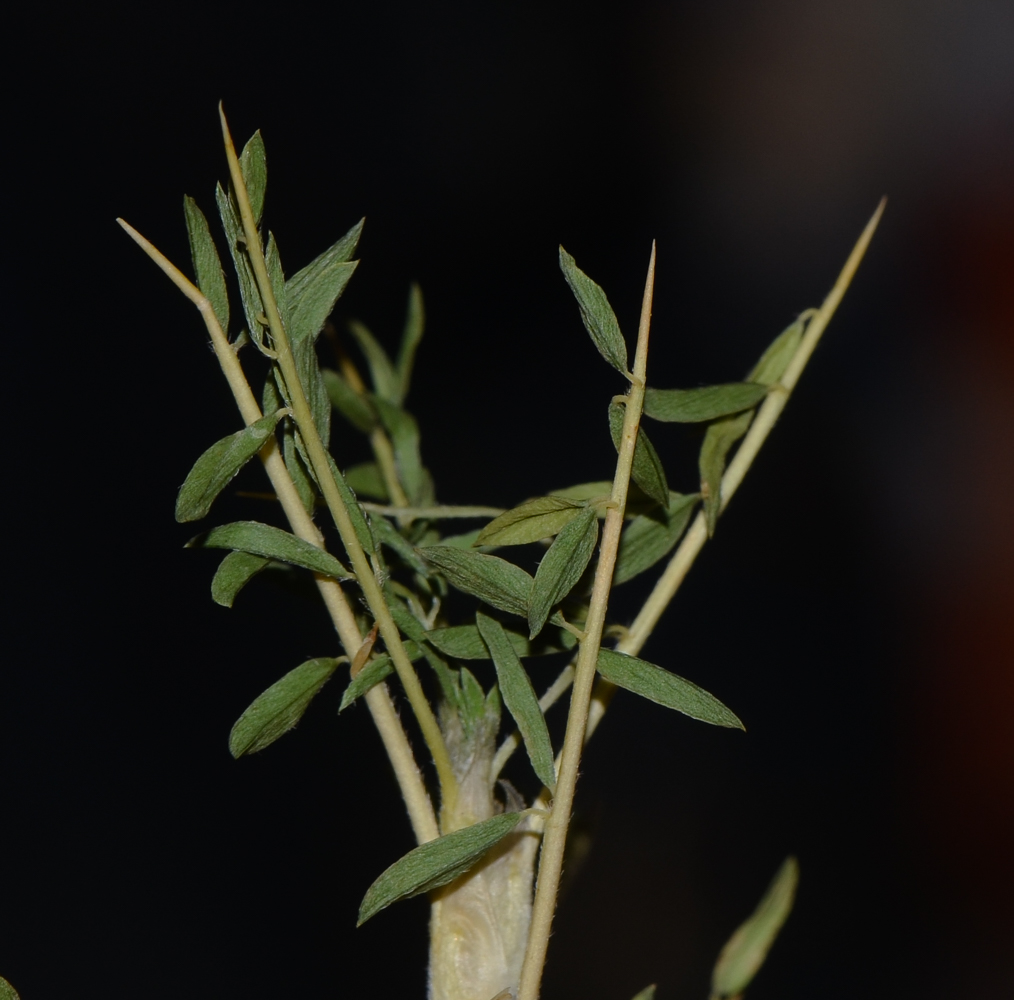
(253, 164)
(530, 521)
(207, 265)
(647, 469)
(376, 670)
(499, 583)
(561, 567)
(386, 383)
(596, 313)
(234, 572)
(691, 406)
(649, 537)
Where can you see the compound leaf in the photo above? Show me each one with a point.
(596, 313)
(499, 583)
(647, 469)
(530, 521)
(207, 265)
(561, 567)
(692, 406)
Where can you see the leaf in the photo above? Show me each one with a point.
(217, 467)
(586, 491)
(745, 951)
(234, 572)
(254, 165)
(207, 265)
(664, 688)
(316, 299)
(410, 626)
(520, 698)
(648, 993)
(296, 463)
(596, 313)
(249, 295)
(691, 406)
(531, 521)
(499, 583)
(436, 863)
(415, 322)
(388, 535)
(278, 709)
(776, 358)
(649, 537)
(386, 383)
(718, 439)
(561, 567)
(354, 408)
(647, 469)
(404, 432)
(263, 540)
(366, 479)
(339, 253)
(375, 671)
(472, 702)
(7, 992)
(464, 642)
(358, 518)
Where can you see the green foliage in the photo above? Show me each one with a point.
(273, 543)
(650, 537)
(499, 583)
(7, 992)
(561, 568)
(596, 313)
(371, 675)
(692, 406)
(207, 265)
(647, 469)
(530, 522)
(234, 572)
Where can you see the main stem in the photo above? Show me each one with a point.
(555, 838)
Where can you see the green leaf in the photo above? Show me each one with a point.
(354, 408)
(234, 572)
(217, 467)
(263, 540)
(388, 535)
(692, 406)
(278, 709)
(316, 299)
(530, 522)
(410, 626)
(648, 993)
(463, 642)
(273, 262)
(499, 583)
(520, 698)
(377, 670)
(745, 951)
(472, 702)
(207, 265)
(586, 491)
(254, 165)
(386, 383)
(296, 463)
(647, 469)
(776, 358)
(415, 322)
(596, 313)
(404, 432)
(649, 537)
(339, 253)
(436, 863)
(561, 567)
(358, 518)
(366, 479)
(7, 992)
(664, 688)
(718, 439)
(249, 295)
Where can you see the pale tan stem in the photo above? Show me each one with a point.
(558, 822)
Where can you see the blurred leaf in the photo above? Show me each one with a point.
(463, 642)
(356, 515)
(217, 467)
(691, 406)
(367, 480)
(745, 951)
(718, 439)
(466, 540)
(520, 698)
(248, 292)
(278, 709)
(415, 322)
(436, 863)
(7, 992)
(234, 572)
(370, 676)
(776, 358)
(339, 253)
(263, 540)
(254, 166)
(664, 688)
(647, 469)
(497, 582)
(404, 432)
(648, 993)
(649, 537)
(596, 313)
(386, 383)
(207, 265)
(561, 567)
(354, 408)
(531, 521)
(388, 535)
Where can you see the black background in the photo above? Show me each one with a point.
(855, 607)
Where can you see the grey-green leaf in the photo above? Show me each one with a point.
(316, 299)
(745, 951)
(386, 383)
(530, 521)
(7, 992)
(499, 583)
(248, 291)
(404, 433)
(463, 642)
(356, 515)
(273, 543)
(561, 567)
(207, 265)
(709, 402)
(354, 408)
(647, 469)
(596, 313)
(298, 466)
(366, 479)
(415, 323)
(436, 863)
(378, 669)
(234, 572)
(520, 698)
(339, 253)
(586, 491)
(254, 165)
(718, 439)
(776, 358)
(649, 537)
(648, 993)
(388, 535)
(217, 467)
(664, 688)
(279, 708)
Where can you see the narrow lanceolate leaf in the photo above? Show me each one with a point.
(499, 583)
(276, 711)
(249, 294)
(273, 543)
(297, 465)
(647, 469)
(561, 567)
(404, 433)
(709, 402)
(254, 165)
(354, 408)
(745, 951)
(339, 253)
(664, 688)
(530, 521)
(216, 468)
(463, 642)
(358, 518)
(436, 863)
(415, 322)
(718, 439)
(207, 266)
(388, 535)
(370, 676)
(776, 358)
(649, 537)
(648, 993)
(366, 480)
(520, 698)
(596, 313)
(586, 491)
(7, 992)
(234, 572)
(410, 626)
(314, 300)
(386, 383)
